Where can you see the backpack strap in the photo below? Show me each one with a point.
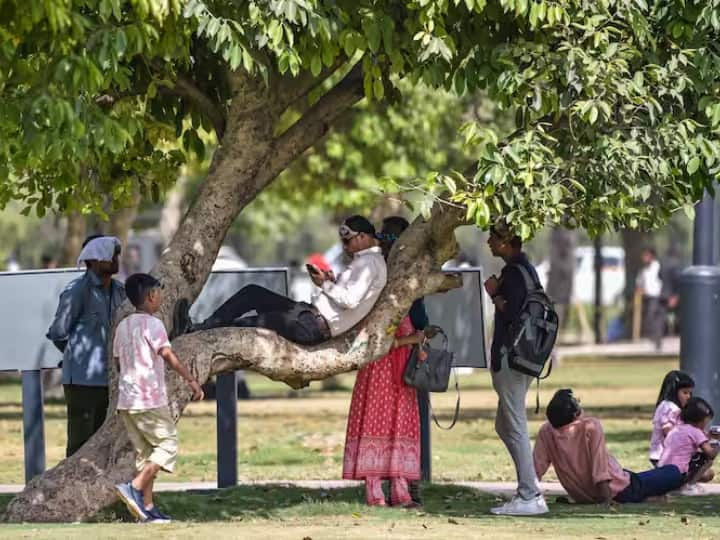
(531, 284)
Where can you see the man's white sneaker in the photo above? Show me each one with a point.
(518, 506)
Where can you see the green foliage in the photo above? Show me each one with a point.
(76, 118)
(616, 102)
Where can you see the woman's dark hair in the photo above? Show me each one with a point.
(696, 411)
(674, 381)
(392, 228)
(563, 408)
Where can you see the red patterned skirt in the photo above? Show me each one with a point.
(383, 430)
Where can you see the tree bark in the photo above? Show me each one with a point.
(122, 219)
(248, 159)
(633, 244)
(172, 211)
(75, 232)
(562, 270)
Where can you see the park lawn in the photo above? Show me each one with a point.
(277, 512)
(288, 435)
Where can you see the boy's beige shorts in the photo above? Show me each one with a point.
(153, 434)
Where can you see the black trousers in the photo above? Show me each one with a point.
(653, 321)
(296, 321)
(86, 411)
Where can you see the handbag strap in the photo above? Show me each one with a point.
(457, 406)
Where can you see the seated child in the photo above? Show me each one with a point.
(675, 392)
(574, 445)
(689, 448)
(141, 348)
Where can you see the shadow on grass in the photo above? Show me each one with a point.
(279, 502)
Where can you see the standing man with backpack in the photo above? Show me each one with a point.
(509, 293)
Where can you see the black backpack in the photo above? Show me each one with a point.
(534, 332)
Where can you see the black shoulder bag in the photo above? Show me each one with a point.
(428, 369)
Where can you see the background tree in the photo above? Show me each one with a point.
(615, 110)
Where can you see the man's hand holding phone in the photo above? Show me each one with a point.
(318, 276)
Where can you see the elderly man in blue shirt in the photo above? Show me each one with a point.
(81, 329)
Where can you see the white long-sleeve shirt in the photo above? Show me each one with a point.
(649, 280)
(345, 302)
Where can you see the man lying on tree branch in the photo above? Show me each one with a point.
(338, 305)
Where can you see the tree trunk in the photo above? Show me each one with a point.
(75, 233)
(633, 244)
(172, 210)
(248, 159)
(122, 219)
(562, 271)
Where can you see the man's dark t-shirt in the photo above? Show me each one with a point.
(513, 290)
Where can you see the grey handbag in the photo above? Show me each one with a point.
(427, 368)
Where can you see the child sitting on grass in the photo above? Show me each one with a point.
(141, 348)
(676, 390)
(689, 448)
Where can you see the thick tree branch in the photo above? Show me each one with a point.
(186, 88)
(313, 125)
(293, 89)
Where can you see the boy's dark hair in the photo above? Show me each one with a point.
(696, 411)
(563, 408)
(502, 231)
(674, 381)
(138, 286)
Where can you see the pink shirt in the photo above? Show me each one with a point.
(667, 416)
(138, 339)
(580, 458)
(681, 444)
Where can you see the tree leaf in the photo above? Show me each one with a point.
(693, 165)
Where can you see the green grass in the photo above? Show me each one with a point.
(276, 512)
(286, 435)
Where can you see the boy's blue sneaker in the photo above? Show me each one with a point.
(156, 516)
(133, 499)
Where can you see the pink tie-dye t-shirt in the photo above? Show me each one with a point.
(681, 444)
(667, 416)
(138, 339)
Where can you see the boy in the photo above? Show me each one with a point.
(141, 345)
(574, 445)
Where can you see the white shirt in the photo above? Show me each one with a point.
(345, 302)
(649, 281)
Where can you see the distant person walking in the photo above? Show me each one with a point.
(650, 286)
(81, 330)
(508, 293)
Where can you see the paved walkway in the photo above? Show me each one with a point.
(494, 488)
(624, 349)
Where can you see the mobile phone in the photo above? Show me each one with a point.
(311, 268)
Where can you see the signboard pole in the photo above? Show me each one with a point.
(226, 399)
(33, 423)
(425, 443)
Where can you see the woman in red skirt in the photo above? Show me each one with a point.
(383, 430)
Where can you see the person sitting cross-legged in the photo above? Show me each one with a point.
(339, 304)
(574, 444)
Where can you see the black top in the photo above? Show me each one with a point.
(513, 290)
(418, 315)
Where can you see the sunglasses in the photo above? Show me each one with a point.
(346, 233)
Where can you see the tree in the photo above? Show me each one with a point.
(615, 105)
